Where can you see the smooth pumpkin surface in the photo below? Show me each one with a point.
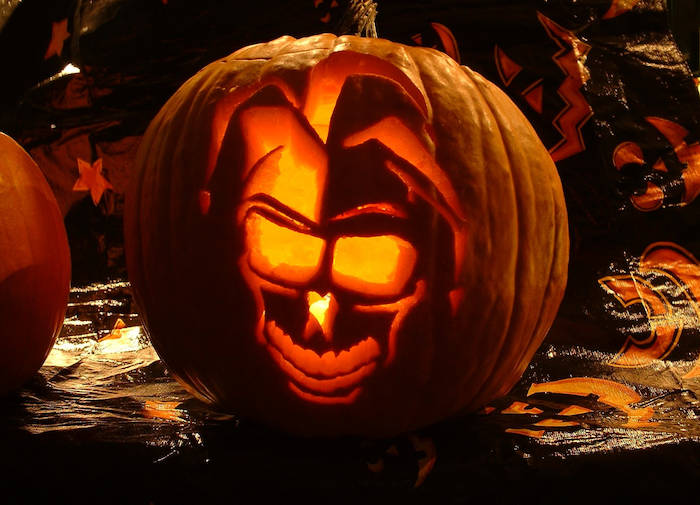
(345, 236)
(34, 266)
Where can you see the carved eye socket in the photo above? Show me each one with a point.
(281, 254)
(377, 266)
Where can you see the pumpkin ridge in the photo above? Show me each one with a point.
(545, 314)
(435, 103)
(415, 68)
(510, 270)
(524, 216)
(558, 254)
(559, 263)
(414, 415)
(145, 184)
(205, 310)
(439, 149)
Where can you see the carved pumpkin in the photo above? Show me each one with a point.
(345, 236)
(34, 266)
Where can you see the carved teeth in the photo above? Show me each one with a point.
(330, 365)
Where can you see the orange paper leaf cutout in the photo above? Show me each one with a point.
(168, 411)
(608, 392)
(526, 432)
(521, 408)
(619, 7)
(117, 330)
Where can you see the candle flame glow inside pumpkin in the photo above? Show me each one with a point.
(301, 257)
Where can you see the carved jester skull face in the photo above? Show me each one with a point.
(337, 201)
(344, 236)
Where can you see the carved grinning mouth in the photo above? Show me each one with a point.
(328, 378)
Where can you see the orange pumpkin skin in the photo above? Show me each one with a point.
(345, 236)
(35, 267)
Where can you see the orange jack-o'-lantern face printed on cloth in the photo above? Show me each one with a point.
(334, 211)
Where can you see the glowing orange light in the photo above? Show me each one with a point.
(295, 174)
(330, 364)
(280, 253)
(322, 311)
(327, 79)
(325, 400)
(395, 135)
(329, 378)
(380, 265)
(290, 250)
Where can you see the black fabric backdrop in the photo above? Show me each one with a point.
(608, 409)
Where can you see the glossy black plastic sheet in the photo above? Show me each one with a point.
(608, 409)
(103, 421)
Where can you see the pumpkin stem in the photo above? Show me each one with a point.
(359, 19)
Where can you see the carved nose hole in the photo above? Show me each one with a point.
(322, 311)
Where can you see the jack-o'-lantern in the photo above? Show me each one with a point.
(342, 235)
(34, 266)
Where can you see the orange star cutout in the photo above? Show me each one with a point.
(59, 34)
(92, 180)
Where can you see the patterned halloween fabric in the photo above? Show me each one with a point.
(614, 387)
